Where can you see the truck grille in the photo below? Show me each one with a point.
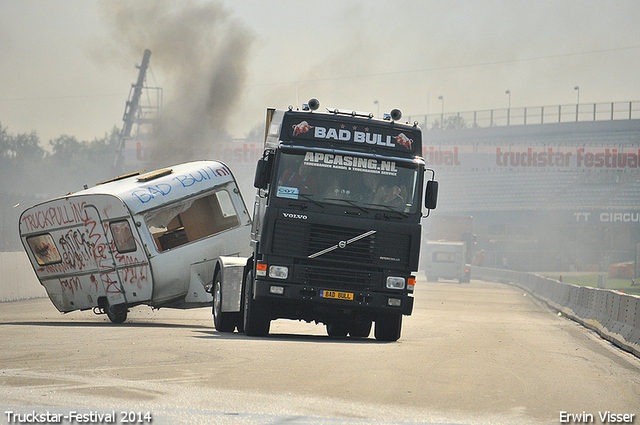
(300, 240)
(336, 277)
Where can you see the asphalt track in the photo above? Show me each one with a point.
(478, 353)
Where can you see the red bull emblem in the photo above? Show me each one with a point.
(403, 140)
(303, 127)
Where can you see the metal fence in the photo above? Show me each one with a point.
(612, 314)
(529, 115)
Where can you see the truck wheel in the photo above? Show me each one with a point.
(338, 329)
(360, 329)
(388, 327)
(224, 322)
(256, 315)
(116, 313)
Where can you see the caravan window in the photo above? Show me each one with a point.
(192, 219)
(44, 249)
(122, 236)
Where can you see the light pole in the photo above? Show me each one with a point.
(375, 102)
(508, 92)
(442, 112)
(577, 89)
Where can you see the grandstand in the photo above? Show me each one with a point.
(559, 196)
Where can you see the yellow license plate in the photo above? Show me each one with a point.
(337, 295)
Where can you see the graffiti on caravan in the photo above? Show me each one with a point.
(55, 216)
(181, 181)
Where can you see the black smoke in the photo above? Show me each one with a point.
(200, 53)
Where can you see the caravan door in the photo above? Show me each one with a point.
(83, 248)
(123, 264)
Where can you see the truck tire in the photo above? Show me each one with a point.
(360, 329)
(224, 322)
(338, 328)
(256, 314)
(116, 313)
(388, 327)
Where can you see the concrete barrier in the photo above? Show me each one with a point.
(18, 281)
(614, 315)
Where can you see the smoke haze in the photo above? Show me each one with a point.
(203, 54)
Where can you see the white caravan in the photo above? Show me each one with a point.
(153, 239)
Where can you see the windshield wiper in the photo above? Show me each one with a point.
(309, 198)
(347, 201)
(404, 215)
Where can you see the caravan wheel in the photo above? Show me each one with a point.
(224, 322)
(117, 313)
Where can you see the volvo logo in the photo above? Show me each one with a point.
(295, 216)
(342, 244)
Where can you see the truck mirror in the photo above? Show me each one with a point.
(263, 169)
(431, 195)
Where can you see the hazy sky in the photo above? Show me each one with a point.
(66, 66)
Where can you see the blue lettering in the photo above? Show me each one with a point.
(146, 195)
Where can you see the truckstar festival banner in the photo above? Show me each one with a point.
(497, 156)
(531, 157)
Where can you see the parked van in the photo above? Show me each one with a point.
(446, 260)
(138, 239)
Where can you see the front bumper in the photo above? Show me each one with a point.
(365, 301)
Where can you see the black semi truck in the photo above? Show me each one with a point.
(336, 226)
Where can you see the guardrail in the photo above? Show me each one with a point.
(530, 115)
(615, 316)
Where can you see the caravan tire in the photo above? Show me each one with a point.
(117, 313)
(224, 322)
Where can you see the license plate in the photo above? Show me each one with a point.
(337, 295)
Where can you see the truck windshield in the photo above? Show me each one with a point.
(362, 182)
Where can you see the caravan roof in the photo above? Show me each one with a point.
(141, 192)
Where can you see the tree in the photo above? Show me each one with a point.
(28, 174)
(20, 158)
(77, 163)
(453, 122)
(21, 147)
(256, 134)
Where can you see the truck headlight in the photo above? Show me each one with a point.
(278, 272)
(394, 282)
(277, 290)
(394, 302)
